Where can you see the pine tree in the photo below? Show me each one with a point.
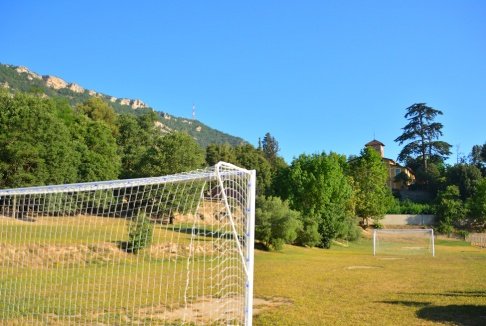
(421, 136)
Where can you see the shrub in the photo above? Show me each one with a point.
(409, 207)
(276, 224)
(377, 225)
(463, 234)
(140, 232)
(308, 235)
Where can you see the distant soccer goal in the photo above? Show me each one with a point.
(403, 242)
(167, 250)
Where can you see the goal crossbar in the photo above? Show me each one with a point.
(111, 184)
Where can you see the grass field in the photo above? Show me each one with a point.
(72, 270)
(348, 286)
(52, 261)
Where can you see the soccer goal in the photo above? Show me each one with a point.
(403, 242)
(167, 250)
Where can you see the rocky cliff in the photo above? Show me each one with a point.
(20, 78)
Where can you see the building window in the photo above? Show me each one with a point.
(397, 171)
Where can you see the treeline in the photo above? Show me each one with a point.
(458, 191)
(313, 201)
(48, 141)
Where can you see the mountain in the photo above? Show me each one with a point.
(19, 78)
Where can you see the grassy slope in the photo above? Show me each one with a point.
(337, 287)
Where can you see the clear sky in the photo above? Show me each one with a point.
(318, 75)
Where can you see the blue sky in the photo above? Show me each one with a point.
(318, 75)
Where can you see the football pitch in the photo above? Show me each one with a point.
(345, 285)
(349, 286)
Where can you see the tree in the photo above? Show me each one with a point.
(478, 157)
(250, 158)
(270, 148)
(372, 196)
(246, 156)
(321, 192)
(450, 209)
(36, 145)
(421, 136)
(477, 206)
(466, 177)
(220, 152)
(432, 179)
(135, 136)
(275, 223)
(173, 153)
(98, 149)
(98, 110)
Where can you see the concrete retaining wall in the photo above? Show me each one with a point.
(405, 219)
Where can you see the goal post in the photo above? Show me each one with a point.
(167, 250)
(403, 241)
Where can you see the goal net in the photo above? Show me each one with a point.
(403, 242)
(167, 250)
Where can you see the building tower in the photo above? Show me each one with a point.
(377, 146)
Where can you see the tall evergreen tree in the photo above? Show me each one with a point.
(421, 136)
(270, 148)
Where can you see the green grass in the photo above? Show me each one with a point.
(340, 286)
(348, 286)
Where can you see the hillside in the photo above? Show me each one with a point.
(18, 78)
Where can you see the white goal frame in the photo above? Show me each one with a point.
(229, 192)
(402, 232)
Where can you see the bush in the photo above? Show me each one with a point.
(463, 234)
(308, 235)
(276, 224)
(445, 228)
(377, 225)
(409, 207)
(140, 233)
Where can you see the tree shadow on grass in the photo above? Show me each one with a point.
(201, 232)
(461, 315)
(470, 294)
(407, 303)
